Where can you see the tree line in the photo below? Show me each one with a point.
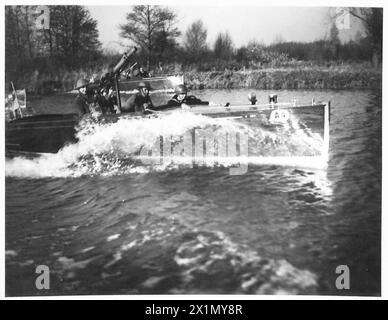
(71, 42)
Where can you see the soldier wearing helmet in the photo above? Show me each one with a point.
(252, 98)
(106, 100)
(181, 97)
(84, 97)
(143, 73)
(140, 101)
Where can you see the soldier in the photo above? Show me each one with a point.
(181, 97)
(107, 100)
(84, 97)
(252, 98)
(140, 101)
(143, 73)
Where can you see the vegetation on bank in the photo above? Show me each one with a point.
(308, 77)
(304, 77)
(43, 61)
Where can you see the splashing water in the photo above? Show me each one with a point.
(107, 148)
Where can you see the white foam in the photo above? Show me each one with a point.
(113, 237)
(111, 148)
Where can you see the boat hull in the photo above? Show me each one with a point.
(49, 133)
(310, 116)
(40, 133)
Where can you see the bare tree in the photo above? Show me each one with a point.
(334, 41)
(71, 40)
(74, 33)
(195, 40)
(17, 32)
(223, 46)
(150, 27)
(372, 20)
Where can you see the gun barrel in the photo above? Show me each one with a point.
(124, 61)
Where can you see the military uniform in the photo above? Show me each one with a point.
(136, 103)
(81, 103)
(139, 101)
(106, 104)
(84, 99)
(189, 100)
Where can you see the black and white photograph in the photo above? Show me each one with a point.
(188, 149)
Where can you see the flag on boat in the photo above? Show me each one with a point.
(16, 105)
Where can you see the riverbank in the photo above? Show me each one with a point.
(314, 77)
(355, 76)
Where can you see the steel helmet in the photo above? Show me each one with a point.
(181, 89)
(252, 96)
(145, 85)
(82, 83)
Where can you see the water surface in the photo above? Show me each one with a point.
(105, 225)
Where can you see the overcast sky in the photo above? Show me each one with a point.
(244, 23)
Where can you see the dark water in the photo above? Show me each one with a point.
(106, 226)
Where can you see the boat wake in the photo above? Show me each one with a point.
(140, 145)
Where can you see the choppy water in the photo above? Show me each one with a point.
(106, 224)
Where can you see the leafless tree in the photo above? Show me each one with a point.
(223, 46)
(195, 40)
(150, 27)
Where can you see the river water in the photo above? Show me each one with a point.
(106, 225)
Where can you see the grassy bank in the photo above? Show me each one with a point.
(358, 76)
(314, 77)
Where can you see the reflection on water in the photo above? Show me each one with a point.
(275, 229)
